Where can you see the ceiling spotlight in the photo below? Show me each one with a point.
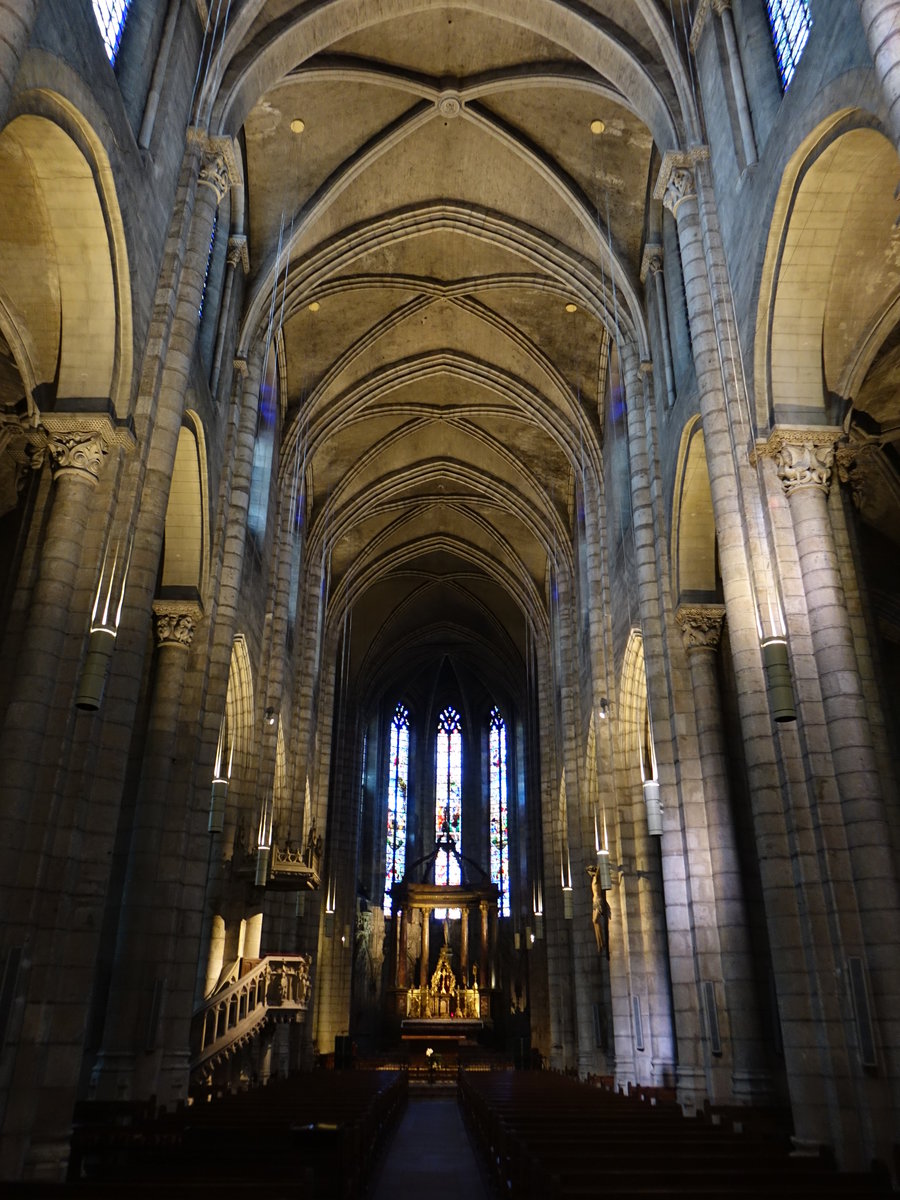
(270, 716)
(297, 126)
(570, 307)
(598, 126)
(604, 708)
(314, 307)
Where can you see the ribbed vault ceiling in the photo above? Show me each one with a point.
(444, 203)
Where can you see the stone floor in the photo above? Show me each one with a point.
(430, 1154)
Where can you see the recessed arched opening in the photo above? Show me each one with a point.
(184, 556)
(694, 551)
(61, 306)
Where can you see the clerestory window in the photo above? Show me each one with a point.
(791, 22)
(110, 15)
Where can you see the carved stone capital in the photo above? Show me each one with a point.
(80, 452)
(804, 457)
(652, 262)
(675, 182)
(701, 625)
(219, 168)
(238, 252)
(176, 622)
(241, 367)
(78, 442)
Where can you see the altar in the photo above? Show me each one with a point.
(453, 1000)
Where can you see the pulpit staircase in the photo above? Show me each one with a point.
(256, 993)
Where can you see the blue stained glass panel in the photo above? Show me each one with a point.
(499, 811)
(448, 800)
(398, 783)
(791, 22)
(110, 15)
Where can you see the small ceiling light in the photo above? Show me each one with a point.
(604, 709)
(570, 307)
(598, 126)
(270, 716)
(314, 307)
(297, 126)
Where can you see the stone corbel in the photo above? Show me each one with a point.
(220, 167)
(803, 456)
(675, 181)
(238, 252)
(652, 262)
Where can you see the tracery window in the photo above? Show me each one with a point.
(499, 811)
(398, 784)
(110, 15)
(791, 22)
(448, 800)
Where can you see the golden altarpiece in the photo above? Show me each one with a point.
(453, 997)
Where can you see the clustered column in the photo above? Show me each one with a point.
(701, 628)
(652, 267)
(805, 460)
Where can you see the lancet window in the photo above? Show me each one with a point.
(499, 810)
(398, 785)
(264, 447)
(448, 798)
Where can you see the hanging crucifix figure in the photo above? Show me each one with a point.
(600, 912)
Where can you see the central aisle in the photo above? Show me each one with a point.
(430, 1155)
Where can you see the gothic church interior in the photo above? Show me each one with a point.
(449, 510)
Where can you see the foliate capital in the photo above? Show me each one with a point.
(701, 625)
(804, 457)
(78, 442)
(675, 182)
(176, 622)
(80, 451)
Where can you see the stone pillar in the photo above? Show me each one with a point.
(464, 947)
(16, 20)
(652, 268)
(145, 1041)
(76, 451)
(732, 484)
(237, 253)
(403, 954)
(484, 980)
(735, 70)
(426, 948)
(804, 459)
(739, 1022)
(881, 21)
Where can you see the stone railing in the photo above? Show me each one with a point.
(276, 987)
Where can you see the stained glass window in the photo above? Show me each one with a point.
(791, 22)
(499, 811)
(398, 782)
(111, 16)
(448, 800)
(263, 448)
